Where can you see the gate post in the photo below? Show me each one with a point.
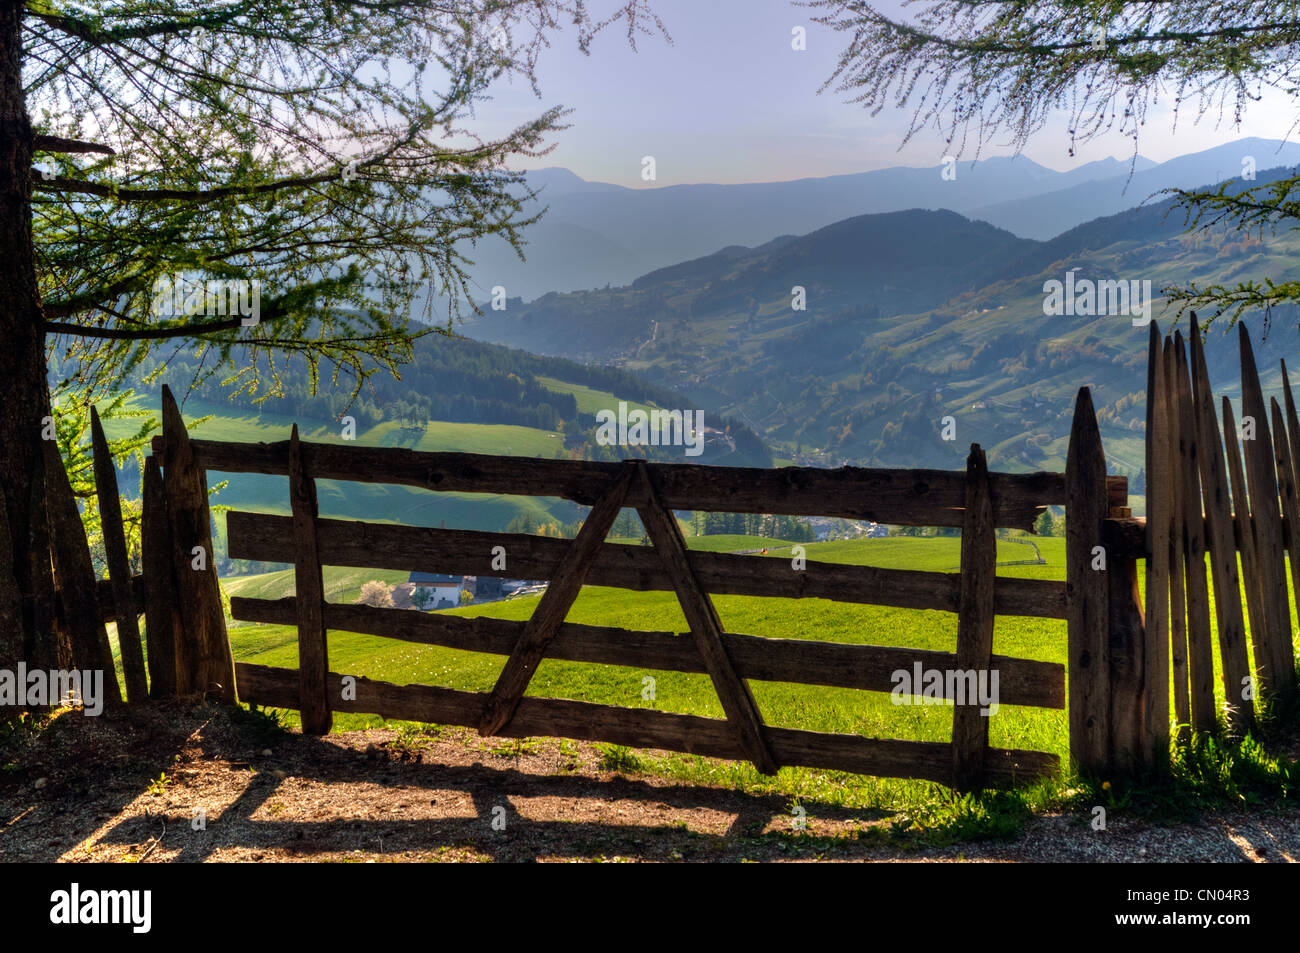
(1106, 634)
(1087, 592)
(198, 590)
(1127, 650)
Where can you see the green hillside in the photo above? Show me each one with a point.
(887, 348)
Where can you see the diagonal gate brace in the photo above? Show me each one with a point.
(554, 605)
(737, 701)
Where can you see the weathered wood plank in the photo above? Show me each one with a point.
(309, 588)
(198, 590)
(916, 497)
(642, 728)
(1177, 589)
(1244, 530)
(801, 661)
(1233, 653)
(1159, 473)
(706, 627)
(265, 537)
(119, 564)
(1088, 592)
(1286, 481)
(1200, 638)
(1126, 651)
(74, 577)
(551, 609)
(1278, 677)
(970, 723)
(162, 614)
(1293, 434)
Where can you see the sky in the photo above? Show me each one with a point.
(730, 101)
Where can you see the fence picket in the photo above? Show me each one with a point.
(1277, 678)
(1177, 585)
(198, 589)
(1246, 540)
(1235, 663)
(119, 565)
(1200, 644)
(1159, 474)
(74, 576)
(162, 617)
(1088, 636)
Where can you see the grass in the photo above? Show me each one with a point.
(1211, 774)
(822, 709)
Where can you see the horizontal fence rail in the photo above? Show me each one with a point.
(891, 496)
(644, 728)
(803, 661)
(269, 538)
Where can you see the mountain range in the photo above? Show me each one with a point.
(596, 233)
(854, 341)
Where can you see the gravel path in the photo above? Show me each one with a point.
(92, 791)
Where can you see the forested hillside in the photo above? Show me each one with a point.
(858, 341)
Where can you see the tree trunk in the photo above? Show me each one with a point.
(26, 581)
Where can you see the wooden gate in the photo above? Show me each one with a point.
(976, 501)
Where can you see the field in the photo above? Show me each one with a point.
(870, 714)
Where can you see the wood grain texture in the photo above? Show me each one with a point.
(1278, 677)
(204, 619)
(642, 728)
(917, 497)
(1219, 533)
(119, 564)
(1177, 588)
(74, 577)
(1244, 528)
(1200, 638)
(706, 628)
(970, 723)
(1087, 592)
(162, 613)
(1159, 467)
(309, 587)
(267, 537)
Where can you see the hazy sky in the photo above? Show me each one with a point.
(730, 101)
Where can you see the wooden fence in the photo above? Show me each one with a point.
(188, 649)
(1201, 500)
(1120, 660)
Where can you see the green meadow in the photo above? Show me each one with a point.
(870, 714)
(818, 708)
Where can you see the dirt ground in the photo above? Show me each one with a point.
(167, 783)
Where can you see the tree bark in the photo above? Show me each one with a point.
(26, 581)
